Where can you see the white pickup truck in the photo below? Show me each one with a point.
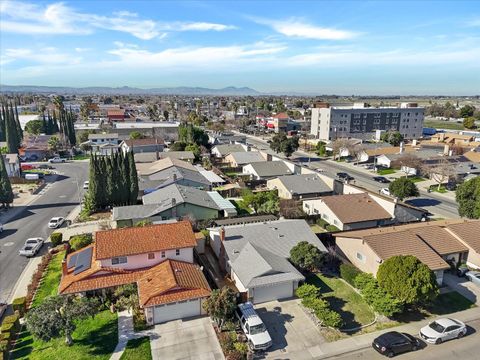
(253, 327)
(31, 247)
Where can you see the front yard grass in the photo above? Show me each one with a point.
(344, 300)
(416, 179)
(94, 338)
(439, 124)
(441, 190)
(386, 171)
(317, 229)
(242, 208)
(450, 302)
(51, 279)
(138, 349)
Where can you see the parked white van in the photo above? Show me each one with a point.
(253, 327)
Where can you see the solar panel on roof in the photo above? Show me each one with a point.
(84, 261)
(72, 261)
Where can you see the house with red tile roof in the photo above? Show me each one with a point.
(157, 258)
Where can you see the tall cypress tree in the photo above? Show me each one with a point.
(2, 124)
(92, 183)
(133, 178)
(50, 124)
(11, 132)
(17, 123)
(71, 128)
(44, 124)
(6, 193)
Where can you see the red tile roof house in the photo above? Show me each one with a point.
(158, 258)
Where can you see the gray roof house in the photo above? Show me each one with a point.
(299, 186)
(265, 170)
(221, 151)
(256, 256)
(179, 155)
(236, 159)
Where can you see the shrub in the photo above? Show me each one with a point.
(5, 336)
(381, 302)
(306, 256)
(332, 228)
(241, 347)
(235, 355)
(349, 273)
(363, 279)
(329, 317)
(11, 323)
(56, 238)
(19, 304)
(78, 242)
(322, 223)
(226, 340)
(3, 348)
(314, 303)
(307, 291)
(7, 327)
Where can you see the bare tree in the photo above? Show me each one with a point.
(356, 151)
(340, 144)
(408, 161)
(442, 172)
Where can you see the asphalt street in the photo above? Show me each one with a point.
(435, 204)
(466, 348)
(60, 196)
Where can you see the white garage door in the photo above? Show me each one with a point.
(274, 292)
(175, 311)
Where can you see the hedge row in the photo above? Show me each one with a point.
(349, 273)
(310, 299)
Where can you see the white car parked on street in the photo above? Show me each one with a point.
(56, 222)
(31, 247)
(56, 160)
(385, 191)
(442, 330)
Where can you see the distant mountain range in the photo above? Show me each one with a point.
(126, 90)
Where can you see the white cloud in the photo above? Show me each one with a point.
(57, 18)
(45, 55)
(298, 28)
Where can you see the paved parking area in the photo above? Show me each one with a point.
(463, 286)
(293, 333)
(186, 339)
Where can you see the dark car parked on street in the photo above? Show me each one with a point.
(394, 342)
(381, 179)
(344, 176)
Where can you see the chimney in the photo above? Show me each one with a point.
(174, 177)
(174, 208)
(249, 148)
(222, 234)
(64, 267)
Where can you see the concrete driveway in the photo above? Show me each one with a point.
(190, 339)
(293, 333)
(463, 286)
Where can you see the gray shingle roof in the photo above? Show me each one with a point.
(256, 266)
(181, 194)
(180, 155)
(304, 184)
(167, 176)
(229, 148)
(277, 237)
(247, 157)
(135, 212)
(270, 168)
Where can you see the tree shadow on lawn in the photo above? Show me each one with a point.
(315, 280)
(348, 317)
(24, 346)
(101, 341)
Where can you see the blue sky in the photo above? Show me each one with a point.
(338, 47)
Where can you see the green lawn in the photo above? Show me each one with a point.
(435, 188)
(94, 338)
(343, 299)
(416, 179)
(138, 349)
(448, 303)
(385, 171)
(51, 279)
(317, 229)
(438, 124)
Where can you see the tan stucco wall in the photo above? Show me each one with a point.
(349, 248)
(283, 193)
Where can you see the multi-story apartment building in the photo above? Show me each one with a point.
(362, 122)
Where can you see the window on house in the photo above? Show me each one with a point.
(360, 256)
(119, 260)
(325, 216)
(151, 256)
(162, 254)
(177, 252)
(335, 222)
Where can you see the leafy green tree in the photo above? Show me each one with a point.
(408, 280)
(53, 143)
(468, 198)
(6, 193)
(11, 131)
(58, 315)
(394, 138)
(321, 149)
(306, 256)
(277, 141)
(3, 120)
(166, 114)
(290, 146)
(403, 188)
(132, 170)
(469, 122)
(136, 135)
(178, 146)
(467, 111)
(307, 291)
(377, 297)
(195, 149)
(34, 127)
(221, 305)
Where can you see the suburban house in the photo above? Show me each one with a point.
(473, 155)
(12, 164)
(187, 156)
(216, 138)
(453, 139)
(35, 147)
(357, 209)
(158, 258)
(467, 231)
(168, 171)
(299, 186)
(255, 255)
(104, 144)
(116, 115)
(220, 151)
(265, 170)
(432, 243)
(148, 145)
(175, 202)
(237, 159)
